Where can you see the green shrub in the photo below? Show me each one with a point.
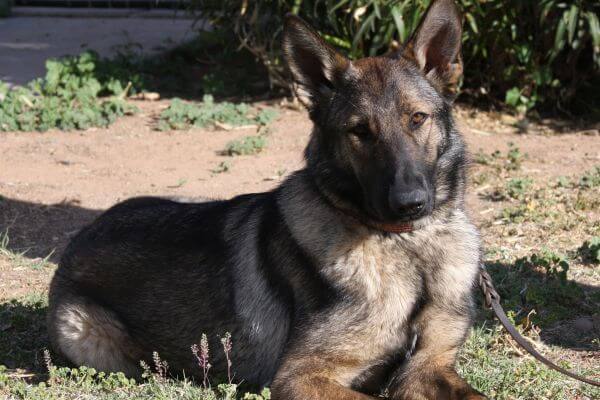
(182, 115)
(76, 93)
(543, 54)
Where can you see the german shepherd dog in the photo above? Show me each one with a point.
(352, 278)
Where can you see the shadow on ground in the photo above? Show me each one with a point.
(564, 311)
(39, 229)
(23, 336)
(35, 231)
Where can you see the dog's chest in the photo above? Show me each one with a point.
(382, 285)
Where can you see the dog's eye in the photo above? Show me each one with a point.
(417, 119)
(362, 132)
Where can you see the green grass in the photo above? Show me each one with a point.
(87, 383)
(23, 343)
(489, 363)
(509, 162)
(486, 361)
(556, 206)
(20, 259)
(23, 332)
(541, 242)
(536, 289)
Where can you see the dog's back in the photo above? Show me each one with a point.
(154, 275)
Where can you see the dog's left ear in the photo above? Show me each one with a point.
(316, 67)
(435, 46)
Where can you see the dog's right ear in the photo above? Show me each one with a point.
(436, 44)
(316, 67)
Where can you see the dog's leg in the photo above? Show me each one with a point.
(430, 373)
(315, 378)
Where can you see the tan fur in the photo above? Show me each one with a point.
(383, 270)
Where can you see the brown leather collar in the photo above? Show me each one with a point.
(403, 227)
(391, 228)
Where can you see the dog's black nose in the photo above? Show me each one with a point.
(408, 203)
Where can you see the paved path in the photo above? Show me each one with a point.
(26, 42)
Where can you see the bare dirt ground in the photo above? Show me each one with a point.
(51, 184)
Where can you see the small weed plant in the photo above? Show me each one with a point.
(19, 258)
(590, 179)
(156, 382)
(514, 158)
(590, 250)
(224, 166)
(510, 162)
(182, 115)
(554, 265)
(517, 188)
(248, 145)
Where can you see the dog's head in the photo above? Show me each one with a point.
(384, 141)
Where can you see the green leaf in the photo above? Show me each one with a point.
(399, 22)
(594, 25)
(367, 24)
(472, 22)
(512, 97)
(559, 38)
(572, 22)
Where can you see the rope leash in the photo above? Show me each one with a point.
(492, 300)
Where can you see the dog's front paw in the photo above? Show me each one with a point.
(447, 385)
(439, 395)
